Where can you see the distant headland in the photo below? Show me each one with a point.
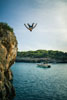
(38, 56)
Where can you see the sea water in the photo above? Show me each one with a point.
(34, 83)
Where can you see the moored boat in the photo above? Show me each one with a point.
(44, 65)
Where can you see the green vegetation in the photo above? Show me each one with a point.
(5, 26)
(59, 55)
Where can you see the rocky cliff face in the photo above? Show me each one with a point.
(8, 52)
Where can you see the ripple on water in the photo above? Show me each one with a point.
(33, 83)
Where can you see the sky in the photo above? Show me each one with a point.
(50, 16)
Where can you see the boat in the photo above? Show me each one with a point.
(44, 65)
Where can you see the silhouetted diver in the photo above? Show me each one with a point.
(30, 27)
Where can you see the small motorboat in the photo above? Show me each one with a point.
(44, 65)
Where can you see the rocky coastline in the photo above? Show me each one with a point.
(39, 60)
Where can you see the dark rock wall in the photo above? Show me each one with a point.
(8, 52)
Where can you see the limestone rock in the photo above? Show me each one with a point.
(8, 52)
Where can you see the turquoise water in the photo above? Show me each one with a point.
(33, 83)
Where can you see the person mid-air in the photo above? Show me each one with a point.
(30, 27)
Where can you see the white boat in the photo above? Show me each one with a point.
(44, 65)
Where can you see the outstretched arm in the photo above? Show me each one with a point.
(32, 24)
(35, 25)
(26, 26)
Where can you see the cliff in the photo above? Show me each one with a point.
(8, 52)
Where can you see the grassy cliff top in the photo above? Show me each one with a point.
(5, 26)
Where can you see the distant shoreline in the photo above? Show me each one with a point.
(39, 60)
(38, 56)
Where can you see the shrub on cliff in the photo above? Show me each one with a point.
(5, 26)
